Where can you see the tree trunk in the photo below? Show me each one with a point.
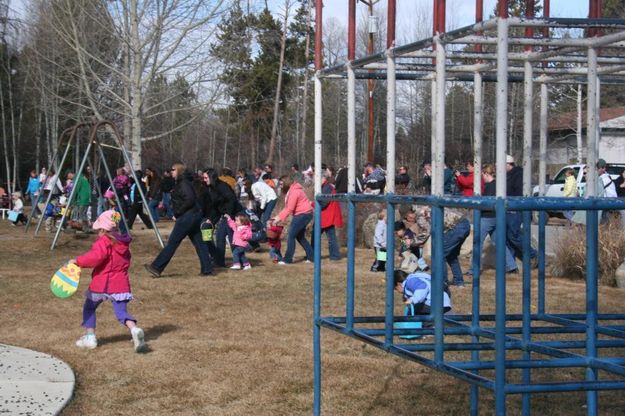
(276, 105)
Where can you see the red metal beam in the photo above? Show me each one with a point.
(546, 15)
(502, 9)
(434, 16)
(318, 32)
(442, 20)
(529, 13)
(351, 31)
(479, 17)
(390, 30)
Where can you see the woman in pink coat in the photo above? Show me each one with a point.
(109, 258)
(297, 204)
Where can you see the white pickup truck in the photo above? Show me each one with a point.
(555, 187)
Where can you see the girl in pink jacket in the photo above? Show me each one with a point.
(109, 258)
(242, 232)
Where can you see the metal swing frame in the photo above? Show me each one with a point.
(93, 143)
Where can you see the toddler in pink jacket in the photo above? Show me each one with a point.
(242, 228)
(109, 258)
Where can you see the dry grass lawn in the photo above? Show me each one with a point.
(240, 343)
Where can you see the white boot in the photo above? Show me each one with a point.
(138, 339)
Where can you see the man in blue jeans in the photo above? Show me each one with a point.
(514, 187)
(457, 229)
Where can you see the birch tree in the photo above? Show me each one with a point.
(151, 39)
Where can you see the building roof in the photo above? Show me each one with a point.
(607, 116)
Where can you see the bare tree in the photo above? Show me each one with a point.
(137, 42)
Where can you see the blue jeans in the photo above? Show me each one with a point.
(153, 206)
(513, 235)
(169, 210)
(333, 245)
(238, 256)
(452, 243)
(188, 225)
(267, 211)
(223, 231)
(297, 231)
(275, 254)
(487, 227)
(102, 205)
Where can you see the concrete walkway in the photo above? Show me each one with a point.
(33, 383)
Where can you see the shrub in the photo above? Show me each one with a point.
(570, 252)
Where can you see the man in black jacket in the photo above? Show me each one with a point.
(188, 216)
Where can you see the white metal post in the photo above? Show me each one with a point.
(542, 148)
(477, 132)
(433, 177)
(527, 128)
(591, 130)
(351, 129)
(579, 124)
(390, 121)
(318, 133)
(438, 162)
(502, 105)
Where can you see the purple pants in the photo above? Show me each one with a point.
(89, 308)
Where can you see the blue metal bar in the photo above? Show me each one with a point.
(542, 222)
(351, 259)
(475, 305)
(438, 276)
(592, 242)
(610, 331)
(317, 313)
(588, 386)
(514, 203)
(509, 317)
(390, 268)
(527, 302)
(531, 364)
(500, 307)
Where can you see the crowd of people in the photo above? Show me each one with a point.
(239, 212)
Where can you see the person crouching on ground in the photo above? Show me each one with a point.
(18, 207)
(109, 258)
(241, 234)
(416, 289)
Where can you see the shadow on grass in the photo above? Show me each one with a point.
(151, 334)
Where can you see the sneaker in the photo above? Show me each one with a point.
(513, 271)
(152, 270)
(247, 267)
(457, 283)
(281, 263)
(236, 266)
(88, 341)
(138, 339)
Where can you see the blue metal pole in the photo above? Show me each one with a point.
(317, 313)
(592, 242)
(351, 249)
(390, 268)
(542, 222)
(438, 275)
(475, 307)
(527, 303)
(500, 309)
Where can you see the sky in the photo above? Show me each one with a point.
(464, 9)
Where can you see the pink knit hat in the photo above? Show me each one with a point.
(107, 221)
(109, 194)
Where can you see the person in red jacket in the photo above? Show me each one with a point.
(331, 217)
(109, 257)
(465, 183)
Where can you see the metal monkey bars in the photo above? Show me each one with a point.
(501, 50)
